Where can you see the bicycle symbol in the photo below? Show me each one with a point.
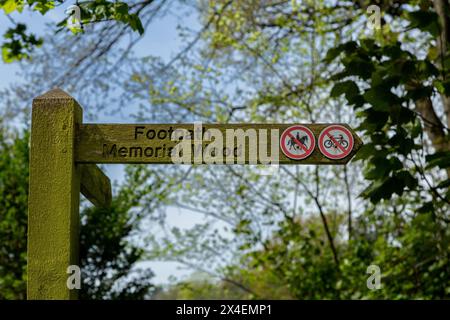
(339, 139)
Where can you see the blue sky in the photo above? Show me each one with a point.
(160, 40)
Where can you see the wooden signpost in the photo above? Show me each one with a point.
(64, 153)
(152, 144)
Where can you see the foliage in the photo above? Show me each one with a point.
(13, 215)
(415, 266)
(393, 80)
(395, 92)
(295, 264)
(200, 287)
(107, 257)
(19, 45)
(302, 233)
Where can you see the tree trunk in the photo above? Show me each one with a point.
(441, 7)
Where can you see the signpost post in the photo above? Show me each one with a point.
(64, 153)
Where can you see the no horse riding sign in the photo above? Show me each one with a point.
(64, 153)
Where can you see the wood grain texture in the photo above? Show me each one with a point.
(92, 139)
(95, 185)
(53, 202)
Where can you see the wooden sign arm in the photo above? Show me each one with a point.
(95, 185)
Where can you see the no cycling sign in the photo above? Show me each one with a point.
(64, 154)
(335, 142)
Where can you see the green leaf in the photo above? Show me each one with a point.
(6, 55)
(425, 21)
(401, 115)
(9, 6)
(358, 65)
(382, 167)
(381, 98)
(439, 159)
(408, 180)
(347, 47)
(442, 86)
(44, 7)
(426, 207)
(136, 24)
(365, 152)
(349, 88)
(443, 184)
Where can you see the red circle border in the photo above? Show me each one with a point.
(326, 153)
(310, 135)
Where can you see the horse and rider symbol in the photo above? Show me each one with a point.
(292, 141)
(297, 142)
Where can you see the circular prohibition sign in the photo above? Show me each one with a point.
(297, 142)
(335, 142)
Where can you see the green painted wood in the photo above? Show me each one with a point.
(95, 185)
(62, 156)
(128, 143)
(53, 218)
